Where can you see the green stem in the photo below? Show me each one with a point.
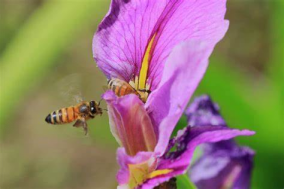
(183, 182)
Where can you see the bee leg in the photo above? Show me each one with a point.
(85, 127)
(82, 123)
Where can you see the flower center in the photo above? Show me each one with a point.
(141, 172)
(141, 83)
(142, 93)
(145, 65)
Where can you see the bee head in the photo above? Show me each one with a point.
(95, 108)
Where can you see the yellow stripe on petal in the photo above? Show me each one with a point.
(159, 172)
(145, 65)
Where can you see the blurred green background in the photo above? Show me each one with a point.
(43, 42)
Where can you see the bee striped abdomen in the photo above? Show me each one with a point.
(121, 88)
(64, 115)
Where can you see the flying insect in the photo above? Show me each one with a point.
(79, 113)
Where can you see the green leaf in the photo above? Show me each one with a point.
(183, 182)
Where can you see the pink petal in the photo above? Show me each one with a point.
(130, 123)
(185, 68)
(121, 40)
(182, 20)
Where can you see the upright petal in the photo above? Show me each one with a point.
(122, 37)
(185, 68)
(122, 40)
(130, 123)
(202, 111)
(182, 20)
(223, 164)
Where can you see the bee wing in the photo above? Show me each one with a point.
(70, 88)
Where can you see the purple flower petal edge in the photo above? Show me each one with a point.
(187, 140)
(223, 164)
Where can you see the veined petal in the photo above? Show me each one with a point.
(183, 20)
(187, 140)
(123, 35)
(223, 164)
(132, 26)
(130, 123)
(185, 68)
(222, 168)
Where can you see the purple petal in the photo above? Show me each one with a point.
(222, 168)
(123, 36)
(183, 20)
(202, 111)
(187, 140)
(185, 68)
(130, 123)
(223, 164)
(120, 42)
(150, 184)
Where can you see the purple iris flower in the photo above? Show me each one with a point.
(162, 47)
(147, 158)
(223, 164)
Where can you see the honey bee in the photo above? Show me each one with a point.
(121, 88)
(79, 113)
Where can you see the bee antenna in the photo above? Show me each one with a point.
(100, 101)
(105, 110)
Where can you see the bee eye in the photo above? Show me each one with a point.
(93, 107)
(93, 110)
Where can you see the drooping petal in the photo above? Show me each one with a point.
(130, 123)
(203, 112)
(222, 168)
(223, 164)
(185, 68)
(120, 44)
(187, 140)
